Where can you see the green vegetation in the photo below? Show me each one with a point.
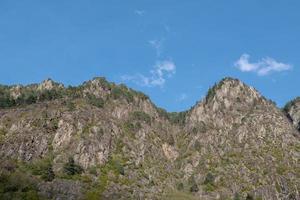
(131, 128)
(162, 113)
(290, 104)
(70, 168)
(177, 117)
(141, 116)
(95, 101)
(74, 92)
(71, 105)
(209, 182)
(194, 187)
(178, 195)
(48, 95)
(42, 168)
(249, 197)
(5, 99)
(113, 167)
(27, 96)
(121, 91)
(103, 82)
(16, 183)
(2, 134)
(212, 90)
(30, 94)
(237, 196)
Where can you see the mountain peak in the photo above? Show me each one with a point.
(119, 141)
(49, 84)
(229, 97)
(231, 88)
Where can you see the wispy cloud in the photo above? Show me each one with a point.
(158, 75)
(182, 97)
(262, 67)
(140, 12)
(157, 45)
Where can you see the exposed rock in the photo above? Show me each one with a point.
(15, 91)
(49, 84)
(169, 152)
(232, 144)
(61, 189)
(292, 110)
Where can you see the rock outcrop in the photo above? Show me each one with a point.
(292, 110)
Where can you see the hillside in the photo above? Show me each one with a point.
(292, 110)
(100, 140)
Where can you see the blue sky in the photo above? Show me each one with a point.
(171, 50)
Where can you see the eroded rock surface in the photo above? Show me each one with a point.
(105, 141)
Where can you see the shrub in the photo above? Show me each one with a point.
(27, 97)
(236, 196)
(47, 95)
(17, 185)
(70, 168)
(115, 164)
(43, 168)
(118, 167)
(249, 197)
(141, 116)
(74, 92)
(103, 82)
(194, 186)
(95, 101)
(129, 127)
(210, 93)
(71, 106)
(180, 186)
(177, 117)
(122, 91)
(5, 99)
(197, 145)
(209, 179)
(162, 113)
(209, 182)
(48, 174)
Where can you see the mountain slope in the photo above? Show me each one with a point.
(292, 110)
(105, 141)
(245, 142)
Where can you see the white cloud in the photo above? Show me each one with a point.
(140, 12)
(157, 45)
(161, 71)
(182, 97)
(263, 67)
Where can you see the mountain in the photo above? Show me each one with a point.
(100, 140)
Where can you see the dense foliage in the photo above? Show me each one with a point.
(71, 168)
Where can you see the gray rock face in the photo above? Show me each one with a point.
(235, 143)
(292, 110)
(61, 189)
(240, 134)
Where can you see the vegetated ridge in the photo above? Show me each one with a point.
(100, 140)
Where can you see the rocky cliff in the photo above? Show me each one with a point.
(292, 110)
(105, 141)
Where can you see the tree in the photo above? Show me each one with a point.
(70, 168)
(95, 101)
(249, 197)
(48, 174)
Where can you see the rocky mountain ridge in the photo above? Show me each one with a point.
(105, 141)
